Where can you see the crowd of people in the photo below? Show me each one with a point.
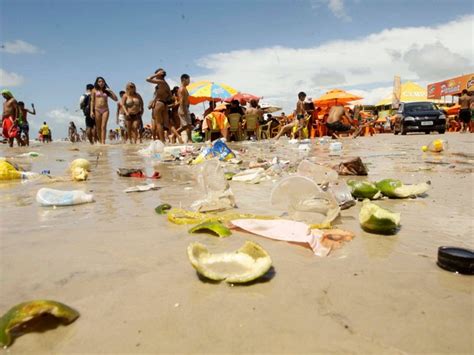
(172, 121)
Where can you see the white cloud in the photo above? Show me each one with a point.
(64, 116)
(19, 47)
(336, 7)
(279, 73)
(10, 79)
(433, 61)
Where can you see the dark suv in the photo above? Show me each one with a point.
(419, 117)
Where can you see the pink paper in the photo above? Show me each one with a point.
(285, 230)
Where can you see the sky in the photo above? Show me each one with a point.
(50, 49)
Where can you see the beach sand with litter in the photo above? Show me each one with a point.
(125, 268)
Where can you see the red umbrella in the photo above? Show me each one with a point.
(242, 96)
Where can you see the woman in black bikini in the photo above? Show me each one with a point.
(132, 104)
(100, 107)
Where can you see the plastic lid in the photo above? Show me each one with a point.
(456, 259)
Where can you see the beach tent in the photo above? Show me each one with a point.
(411, 92)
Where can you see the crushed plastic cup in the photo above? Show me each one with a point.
(304, 200)
(216, 190)
(154, 150)
(318, 173)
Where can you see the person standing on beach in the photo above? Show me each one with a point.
(9, 115)
(85, 105)
(465, 112)
(300, 113)
(159, 105)
(183, 110)
(174, 122)
(120, 118)
(45, 132)
(132, 105)
(23, 121)
(100, 107)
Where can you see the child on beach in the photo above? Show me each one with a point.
(300, 130)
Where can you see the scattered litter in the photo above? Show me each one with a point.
(364, 189)
(79, 174)
(163, 208)
(321, 242)
(52, 197)
(218, 149)
(142, 188)
(342, 194)
(21, 315)
(251, 176)
(30, 154)
(436, 146)
(136, 173)
(9, 171)
(318, 173)
(216, 189)
(396, 189)
(304, 200)
(216, 228)
(246, 264)
(354, 166)
(154, 150)
(80, 163)
(376, 219)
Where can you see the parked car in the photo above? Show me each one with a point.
(419, 117)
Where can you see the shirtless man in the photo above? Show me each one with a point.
(23, 120)
(183, 110)
(300, 113)
(465, 112)
(9, 115)
(160, 104)
(335, 121)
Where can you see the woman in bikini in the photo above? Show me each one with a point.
(132, 104)
(100, 107)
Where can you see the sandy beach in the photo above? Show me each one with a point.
(125, 269)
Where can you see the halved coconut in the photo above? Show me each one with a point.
(364, 189)
(397, 189)
(376, 219)
(216, 228)
(22, 313)
(246, 264)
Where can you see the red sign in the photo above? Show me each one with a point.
(451, 87)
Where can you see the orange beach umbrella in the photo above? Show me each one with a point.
(334, 97)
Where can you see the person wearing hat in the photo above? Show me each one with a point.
(9, 114)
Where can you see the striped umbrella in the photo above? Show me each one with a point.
(209, 91)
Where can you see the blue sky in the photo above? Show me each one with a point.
(66, 44)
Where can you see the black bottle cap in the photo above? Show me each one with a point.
(456, 259)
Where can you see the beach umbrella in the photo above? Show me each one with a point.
(209, 91)
(334, 97)
(269, 108)
(242, 96)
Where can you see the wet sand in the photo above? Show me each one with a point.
(125, 268)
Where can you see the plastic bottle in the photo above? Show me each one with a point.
(335, 148)
(51, 197)
(436, 146)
